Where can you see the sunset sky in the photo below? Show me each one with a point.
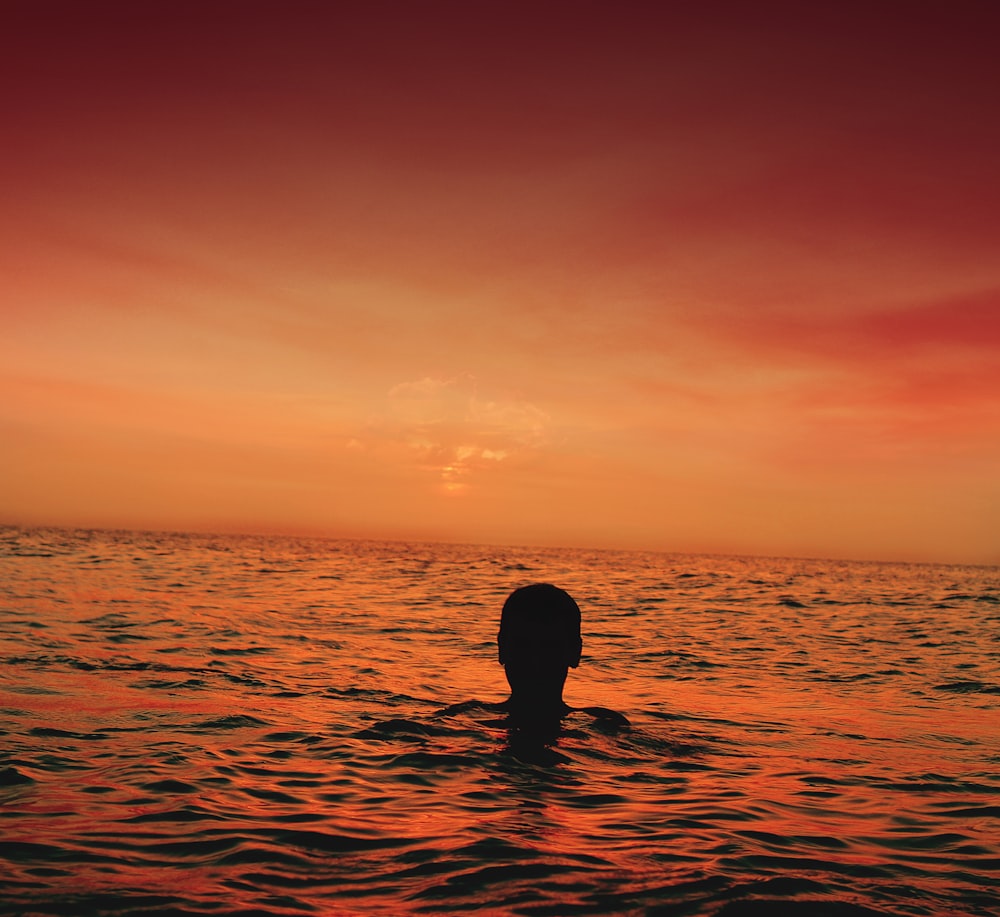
(683, 276)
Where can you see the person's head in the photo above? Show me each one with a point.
(539, 641)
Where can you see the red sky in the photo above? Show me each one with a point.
(725, 278)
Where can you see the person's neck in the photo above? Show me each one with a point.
(536, 707)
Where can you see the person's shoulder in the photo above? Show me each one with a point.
(607, 719)
(471, 706)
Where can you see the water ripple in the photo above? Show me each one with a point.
(283, 726)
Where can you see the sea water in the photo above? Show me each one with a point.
(262, 725)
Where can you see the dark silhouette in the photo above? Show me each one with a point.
(538, 643)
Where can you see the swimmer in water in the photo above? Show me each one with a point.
(538, 643)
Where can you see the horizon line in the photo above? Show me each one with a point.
(327, 536)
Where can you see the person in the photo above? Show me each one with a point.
(538, 643)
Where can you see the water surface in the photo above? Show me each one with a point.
(239, 725)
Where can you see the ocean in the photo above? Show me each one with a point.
(236, 725)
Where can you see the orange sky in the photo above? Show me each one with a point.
(725, 279)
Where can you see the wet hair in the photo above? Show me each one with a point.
(541, 605)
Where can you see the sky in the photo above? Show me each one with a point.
(717, 277)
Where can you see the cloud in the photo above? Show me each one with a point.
(432, 402)
(447, 429)
(967, 323)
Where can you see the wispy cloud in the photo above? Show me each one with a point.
(448, 429)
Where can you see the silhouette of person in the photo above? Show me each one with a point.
(538, 643)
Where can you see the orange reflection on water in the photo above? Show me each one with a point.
(269, 716)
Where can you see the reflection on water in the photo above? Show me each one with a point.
(232, 725)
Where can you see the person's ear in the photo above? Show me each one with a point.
(575, 652)
(500, 647)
